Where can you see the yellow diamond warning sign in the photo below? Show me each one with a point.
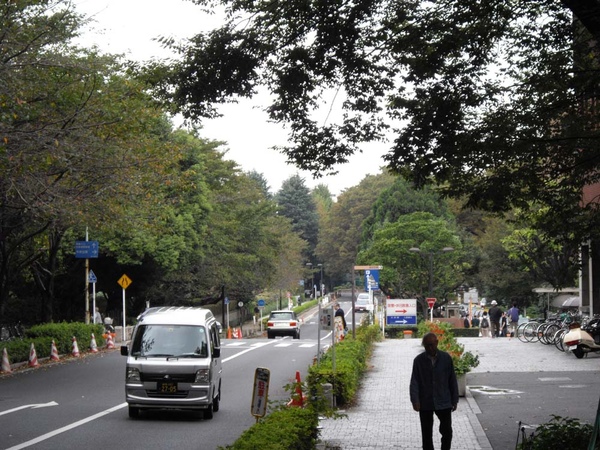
(124, 281)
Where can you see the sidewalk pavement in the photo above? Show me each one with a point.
(383, 417)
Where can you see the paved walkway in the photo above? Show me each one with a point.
(383, 417)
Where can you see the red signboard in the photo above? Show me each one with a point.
(431, 302)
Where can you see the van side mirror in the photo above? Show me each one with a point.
(216, 352)
(124, 350)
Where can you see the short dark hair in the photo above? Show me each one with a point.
(428, 336)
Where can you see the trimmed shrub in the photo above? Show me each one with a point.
(42, 335)
(283, 429)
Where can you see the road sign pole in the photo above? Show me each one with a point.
(94, 302)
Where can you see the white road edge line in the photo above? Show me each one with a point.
(67, 428)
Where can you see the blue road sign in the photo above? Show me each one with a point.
(261, 303)
(372, 280)
(92, 277)
(401, 320)
(227, 300)
(86, 249)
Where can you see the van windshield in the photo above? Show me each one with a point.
(181, 341)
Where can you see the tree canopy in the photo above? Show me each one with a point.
(494, 101)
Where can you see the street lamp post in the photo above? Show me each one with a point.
(321, 284)
(312, 274)
(430, 255)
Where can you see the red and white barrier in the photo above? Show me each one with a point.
(33, 361)
(93, 345)
(74, 347)
(54, 352)
(5, 362)
(109, 341)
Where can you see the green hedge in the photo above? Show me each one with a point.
(297, 428)
(62, 333)
(351, 356)
(283, 429)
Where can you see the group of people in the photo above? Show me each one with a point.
(495, 322)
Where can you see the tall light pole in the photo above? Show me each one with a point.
(322, 285)
(312, 274)
(430, 255)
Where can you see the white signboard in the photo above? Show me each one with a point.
(260, 392)
(401, 311)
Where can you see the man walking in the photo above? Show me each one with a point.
(495, 314)
(513, 317)
(434, 390)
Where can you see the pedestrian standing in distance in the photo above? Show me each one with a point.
(513, 317)
(485, 325)
(339, 312)
(434, 390)
(495, 316)
(475, 321)
(339, 320)
(97, 316)
(503, 325)
(467, 322)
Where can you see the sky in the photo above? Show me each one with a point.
(129, 26)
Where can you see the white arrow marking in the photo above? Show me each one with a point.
(34, 406)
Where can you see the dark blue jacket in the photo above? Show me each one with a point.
(436, 387)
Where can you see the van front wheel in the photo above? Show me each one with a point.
(208, 412)
(134, 412)
(216, 401)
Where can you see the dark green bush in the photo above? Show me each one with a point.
(62, 333)
(560, 434)
(351, 356)
(281, 430)
(297, 428)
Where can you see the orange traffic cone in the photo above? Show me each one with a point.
(239, 333)
(109, 341)
(93, 346)
(54, 352)
(33, 362)
(5, 362)
(298, 397)
(229, 336)
(74, 347)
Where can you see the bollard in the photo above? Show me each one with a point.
(328, 394)
(408, 334)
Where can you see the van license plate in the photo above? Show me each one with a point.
(167, 388)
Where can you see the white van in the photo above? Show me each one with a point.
(174, 361)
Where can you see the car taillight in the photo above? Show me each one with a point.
(292, 324)
(269, 324)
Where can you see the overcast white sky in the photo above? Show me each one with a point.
(128, 27)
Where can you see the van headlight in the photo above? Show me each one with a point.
(202, 376)
(133, 375)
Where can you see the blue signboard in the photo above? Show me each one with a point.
(372, 280)
(86, 249)
(92, 277)
(401, 320)
(261, 303)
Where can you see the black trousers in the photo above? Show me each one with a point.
(445, 418)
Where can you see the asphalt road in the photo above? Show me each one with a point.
(524, 384)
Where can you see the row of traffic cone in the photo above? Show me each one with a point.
(33, 362)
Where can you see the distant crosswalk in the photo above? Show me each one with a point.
(276, 343)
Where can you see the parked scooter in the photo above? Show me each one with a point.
(108, 325)
(583, 339)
